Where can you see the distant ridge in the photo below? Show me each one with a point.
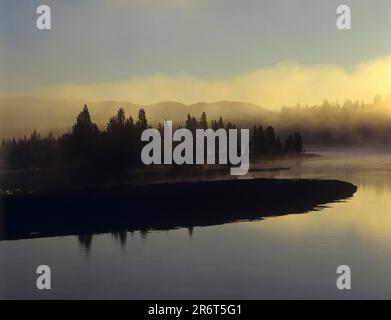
(19, 116)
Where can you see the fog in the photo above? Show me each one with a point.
(329, 123)
(284, 83)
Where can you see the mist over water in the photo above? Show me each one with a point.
(293, 256)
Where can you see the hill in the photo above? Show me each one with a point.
(20, 116)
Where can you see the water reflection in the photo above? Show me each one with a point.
(164, 207)
(119, 237)
(286, 257)
(85, 242)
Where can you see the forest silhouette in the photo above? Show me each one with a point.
(118, 146)
(334, 124)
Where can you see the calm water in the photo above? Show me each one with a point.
(293, 256)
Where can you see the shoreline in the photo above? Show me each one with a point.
(162, 206)
(30, 180)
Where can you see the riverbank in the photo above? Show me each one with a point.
(161, 205)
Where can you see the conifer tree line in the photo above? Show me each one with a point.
(118, 146)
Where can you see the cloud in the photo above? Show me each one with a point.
(286, 83)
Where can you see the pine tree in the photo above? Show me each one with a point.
(84, 127)
(203, 124)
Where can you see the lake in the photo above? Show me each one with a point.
(292, 256)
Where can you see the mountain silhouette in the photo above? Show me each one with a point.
(20, 116)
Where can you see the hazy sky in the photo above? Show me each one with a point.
(191, 50)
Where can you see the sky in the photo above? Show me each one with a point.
(272, 53)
